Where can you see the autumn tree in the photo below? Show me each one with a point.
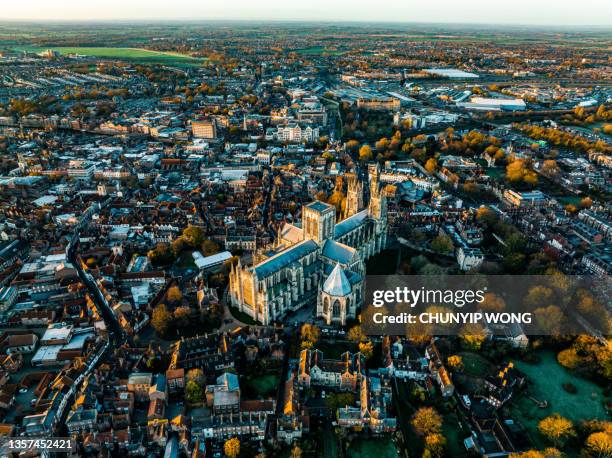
(599, 444)
(193, 236)
(472, 336)
(309, 334)
(486, 216)
(442, 244)
(296, 452)
(427, 421)
(431, 165)
(556, 429)
(174, 295)
(209, 247)
(182, 316)
(493, 303)
(547, 453)
(161, 319)
(549, 319)
(355, 334)
(232, 447)
(550, 168)
(365, 153)
(455, 362)
(196, 375)
(367, 348)
(435, 444)
(586, 202)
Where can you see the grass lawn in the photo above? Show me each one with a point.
(367, 448)
(548, 376)
(264, 385)
(475, 365)
(335, 349)
(137, 55)
(454, 435)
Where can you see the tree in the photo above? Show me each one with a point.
(355, 334)
(472, 336)
(600, 444)
(431, 165)
(427, 421)
(174, 295)
(442, 244)
(161, 255)
(193, 236)
(486, 215)
(547, 453)
(193, 392)
(309, 334)
(367, 348)
(232, 447)
(550, 168)
(435, 443)
(365, 153)
(182, 316)
(161, 319)
(493, 303)
(556, 429)
(586, 202)
(549, 319)
(538, 295)
(296, 452)
(196, 375)
(455, 362)
(209, 247)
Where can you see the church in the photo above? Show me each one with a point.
(321, 261)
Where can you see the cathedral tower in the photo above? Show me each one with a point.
(354, 195)
(318, 221)
(377, 207)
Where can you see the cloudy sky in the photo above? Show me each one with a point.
(529, 12)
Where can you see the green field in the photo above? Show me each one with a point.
(475, 365)
(265, 385)
(380, 448)
(137, 55)
(317, 51)
(547, 379)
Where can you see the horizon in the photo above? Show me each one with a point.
(522, 13)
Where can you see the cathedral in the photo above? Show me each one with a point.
(321, 261)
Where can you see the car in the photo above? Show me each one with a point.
(323, 394)
(23, 390)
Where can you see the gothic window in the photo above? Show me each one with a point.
(336, 309)
(326, 305)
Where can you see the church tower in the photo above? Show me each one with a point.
(378, 201)
(318, 221)
(354, 195)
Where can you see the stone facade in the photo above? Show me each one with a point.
(293, 274)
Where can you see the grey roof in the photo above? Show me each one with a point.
(229, 380)
(350, 223)
(319, 206)
(285, 258)
(337, 284)
(338, 252)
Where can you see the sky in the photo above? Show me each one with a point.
(527, 12)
